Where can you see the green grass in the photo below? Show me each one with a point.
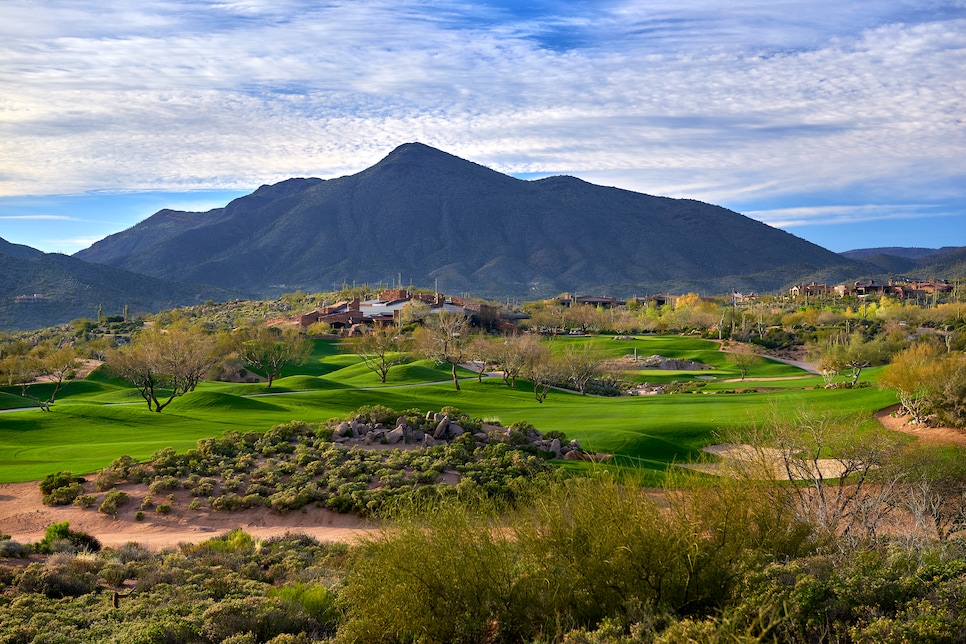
(85, 431)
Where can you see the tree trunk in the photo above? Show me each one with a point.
(456, 381)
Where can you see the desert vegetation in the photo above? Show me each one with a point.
(828, 528)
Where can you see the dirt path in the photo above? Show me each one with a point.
(901, 424)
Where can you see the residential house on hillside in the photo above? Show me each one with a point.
(599, 301)
(387, 307)
(900, 289)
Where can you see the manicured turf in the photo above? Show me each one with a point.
(87, 429)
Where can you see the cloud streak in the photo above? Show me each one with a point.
(745, 104)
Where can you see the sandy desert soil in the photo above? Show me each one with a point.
(25, 518)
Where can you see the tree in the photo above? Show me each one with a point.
(161, 363)
(270, 349)
(580, 365)
(444, 338)
(45, 368)
(744, 361)
(542, 369)
(915, 374)
(512, 355)
(380, 350)
(483, 350)
(851, 353)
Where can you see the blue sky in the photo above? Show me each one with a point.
(841, 122)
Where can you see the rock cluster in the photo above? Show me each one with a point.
(438, 429)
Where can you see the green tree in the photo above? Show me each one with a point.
(45, 368)
(916, 374)
(744, 361)
(270, 349)
(164, 363)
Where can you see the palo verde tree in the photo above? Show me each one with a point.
(851, 353)
(916, 374)
(41, 372)
(379, 350)
(445, 338)
(164, 363)
(270, 349)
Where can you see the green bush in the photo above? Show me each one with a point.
(112, 501)
(61, 532)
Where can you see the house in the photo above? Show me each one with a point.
(387, 307)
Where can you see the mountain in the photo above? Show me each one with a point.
(893, 251)
(428, 217)
(40, 289)
(948, 262)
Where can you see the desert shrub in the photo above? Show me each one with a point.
(61, 488)
(64, 495)
(167, 482)
(227, 502)
(56, 480)
(575, 553)
(85, 501)
(61, 532)
(377, 414)
(162, 508)
(112, 501)
(10, 549)
(106, 479)
(56, 582)
(316, 601)
(115, 572)
(259, 616)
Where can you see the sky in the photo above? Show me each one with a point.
(840, 122)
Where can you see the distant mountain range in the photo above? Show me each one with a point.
(41, 289)
(426, 217)
(947, 262)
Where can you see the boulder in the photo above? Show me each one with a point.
(555, 447)
(441, 428)
(344, 429)
(395, 436)
(455, 430)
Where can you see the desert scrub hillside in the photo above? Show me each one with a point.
(353, 464)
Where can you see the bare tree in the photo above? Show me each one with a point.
(270, 349)
(837, 462)
(542, 369)
(580, 365)
(444, 338)
(164, 363)
(380, 350)
(513, 354)
(45, 368)
(484, 350)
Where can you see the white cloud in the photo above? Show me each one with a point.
(740, 102)
(39, 218)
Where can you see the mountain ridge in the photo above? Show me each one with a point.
(428, 215)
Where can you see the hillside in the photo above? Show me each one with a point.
(425, 215)
(948, 262)
(40, 289)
